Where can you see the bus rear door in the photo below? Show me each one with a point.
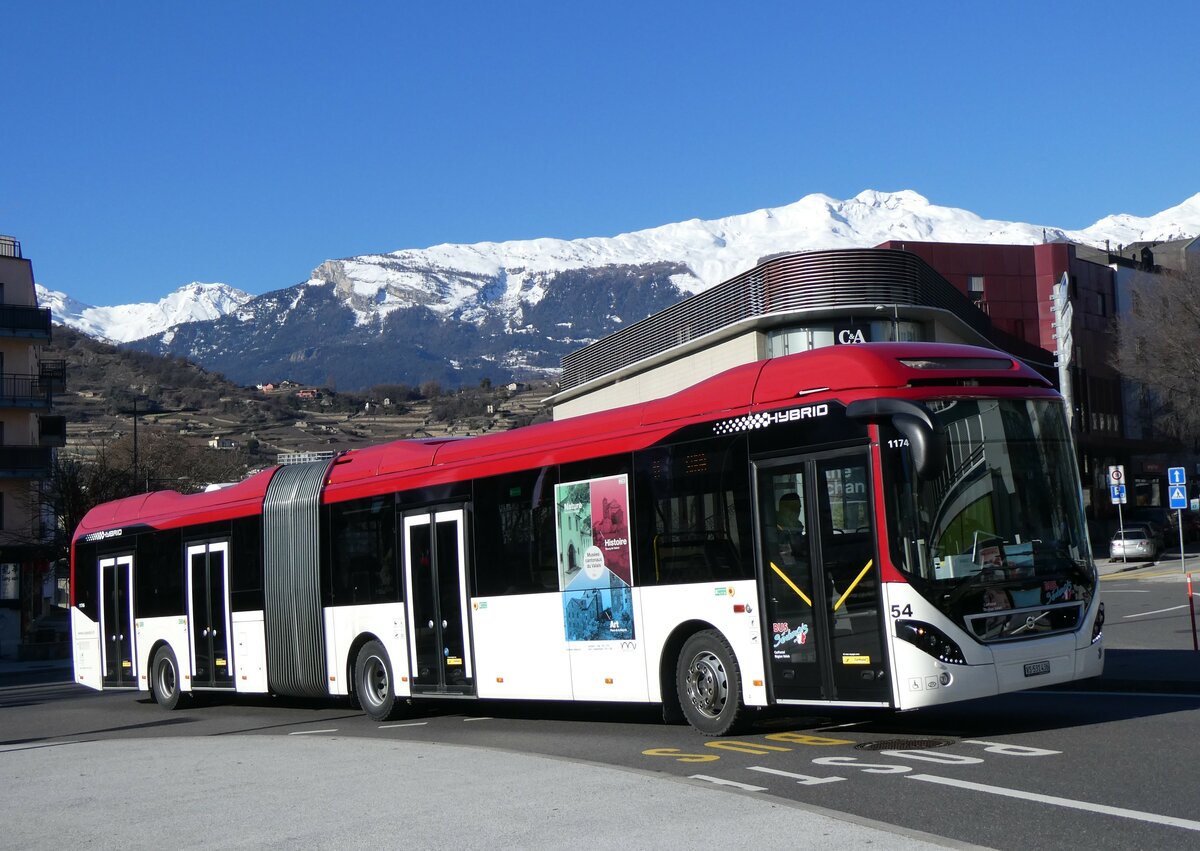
(819, 576)
(117, 643)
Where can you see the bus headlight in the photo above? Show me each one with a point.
(931, 640)
(1098, 626)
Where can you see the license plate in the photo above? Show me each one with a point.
(1035, 668)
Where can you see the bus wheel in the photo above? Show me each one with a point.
(164, 679)
(373, 683)
(709, 684)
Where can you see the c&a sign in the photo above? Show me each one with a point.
(851, 334)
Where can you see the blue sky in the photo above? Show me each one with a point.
(147, 145)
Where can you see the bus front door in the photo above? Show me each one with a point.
(118, 654)
(208, 616)
(435, 566)
(820, 580)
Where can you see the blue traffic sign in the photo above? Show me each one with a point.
(1117, 494)
(1178, 495)
(1176, 476)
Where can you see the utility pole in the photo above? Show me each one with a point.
(135, 441)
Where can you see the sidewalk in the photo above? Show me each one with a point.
(342, 792)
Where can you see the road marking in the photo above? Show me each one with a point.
(802, 779)
(1156, 612)
(311, 732)
(480, 718)
(1103, 809)
(1169, 695)
(406, 724)
(746, 787)
(1127, 591)
(1113, 577)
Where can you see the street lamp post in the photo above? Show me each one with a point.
(895, 320)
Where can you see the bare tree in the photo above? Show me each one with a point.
(106, 471)
(166, 461)
(1158, 347)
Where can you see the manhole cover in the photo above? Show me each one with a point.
(903, 745)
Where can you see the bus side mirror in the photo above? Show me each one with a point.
(913, 420)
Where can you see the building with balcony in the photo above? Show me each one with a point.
(31, 583)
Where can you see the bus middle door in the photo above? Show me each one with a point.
(435, 567)
(820, 580)
(208, 615)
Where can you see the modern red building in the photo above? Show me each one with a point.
(1012, 284)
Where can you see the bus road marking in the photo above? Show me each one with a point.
(745, 787)
(311, 732)
(405, 724)
(1156, 612)
(802, 779)
(1103, 809)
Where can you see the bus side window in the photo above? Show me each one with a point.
(362, 551)
(158, 574)
(514, 533)
(245, 565)
(687, 498)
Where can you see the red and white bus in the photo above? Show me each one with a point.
(880, 525)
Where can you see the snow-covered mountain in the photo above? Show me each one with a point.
(459, 312)
(464, 278)
(194, 302)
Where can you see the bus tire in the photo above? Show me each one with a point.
(709, 684)
(164, 679)
(374, 686)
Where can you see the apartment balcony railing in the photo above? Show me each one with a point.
(53, 375)
(10, 247)
(24, 462)
(20, 321)
(52, 431)
(24, 391)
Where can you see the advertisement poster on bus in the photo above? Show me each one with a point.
(595, 559)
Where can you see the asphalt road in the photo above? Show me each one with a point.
(1107, 766)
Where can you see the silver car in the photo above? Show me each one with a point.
(1134, 542)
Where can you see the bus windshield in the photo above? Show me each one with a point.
(1000, 527)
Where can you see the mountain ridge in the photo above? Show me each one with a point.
(461, 313)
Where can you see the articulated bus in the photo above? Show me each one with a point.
(890, 525)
